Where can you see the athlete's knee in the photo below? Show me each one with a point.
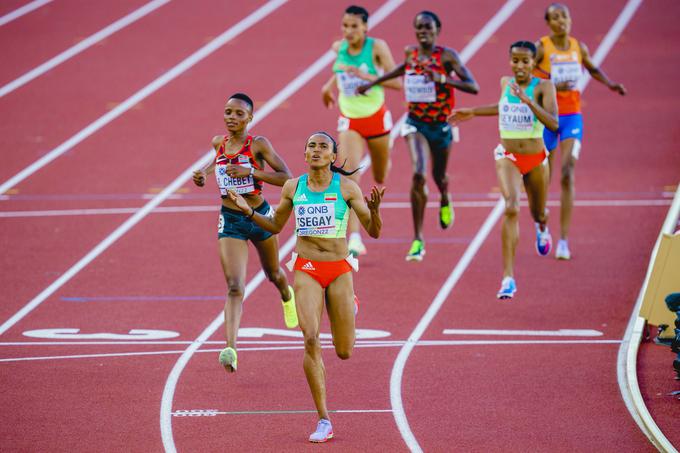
(344, 353)
(567, 174)
(418, 181)
(235, 288)
(511, 207)
(273, 275)
(312, 342)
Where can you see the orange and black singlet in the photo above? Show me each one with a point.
(428, 101)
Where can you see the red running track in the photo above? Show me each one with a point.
(164, 273)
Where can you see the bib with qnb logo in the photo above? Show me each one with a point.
(244, 157)
(321, 214)
(515, 118)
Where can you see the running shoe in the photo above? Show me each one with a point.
(356, 246)
(562, 251)
(508, 288)
(446, 216)
(417, 251)
(543, 241)
(229, 359)
(324, 431)
(289, 311)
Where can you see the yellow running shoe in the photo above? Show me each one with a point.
(229, 359)
(446, 216)
(417, 251)
(289, 311)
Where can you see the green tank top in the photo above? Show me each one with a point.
(320, 214)
(515, 119)
(352, 105)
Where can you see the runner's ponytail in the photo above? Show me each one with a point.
(341, 168)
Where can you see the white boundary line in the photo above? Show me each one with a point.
(484, 34)
(397, 372)
(142, 94)
(300, 345)
(626, 370)
(384, 205)
(81, 46)
(158, 199)
(171, 383)
(190, 413)
(27, 8)
(414, 338)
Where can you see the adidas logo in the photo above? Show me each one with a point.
(308, 266)
(302, 197)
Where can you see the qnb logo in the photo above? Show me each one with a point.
(222, 171)
(301, 210)
(506, 108)
(317, 210)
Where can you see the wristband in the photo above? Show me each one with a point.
(252, 212)
(252, 171)
(442, 78)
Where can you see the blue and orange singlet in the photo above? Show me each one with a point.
(562, 66)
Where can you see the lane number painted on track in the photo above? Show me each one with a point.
(74, 334)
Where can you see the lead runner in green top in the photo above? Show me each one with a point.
(319, 200)
(360, 60)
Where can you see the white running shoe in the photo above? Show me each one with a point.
(356, 246)
(508, 288)
(562, 251)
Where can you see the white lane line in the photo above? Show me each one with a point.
(414, 338)
(173, 342)
(535, 333)
(626, 364)
(300, 346)
(244, 24)
(385, 205)
(142, 94)
(27, 8)
(610, 39)
(213, 412)
(171, 383)
(397, 371)
(81, 46)
(468, 52)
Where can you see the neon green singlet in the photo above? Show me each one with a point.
(352, 105)
(320, 214)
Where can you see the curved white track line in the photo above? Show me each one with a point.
(395, 382)
(171, 384)
(480, 38)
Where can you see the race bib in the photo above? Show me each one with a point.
(348, 83)
(238, 184)
(315, 219)
(566, 71)
(419, 88)
(515, 117)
